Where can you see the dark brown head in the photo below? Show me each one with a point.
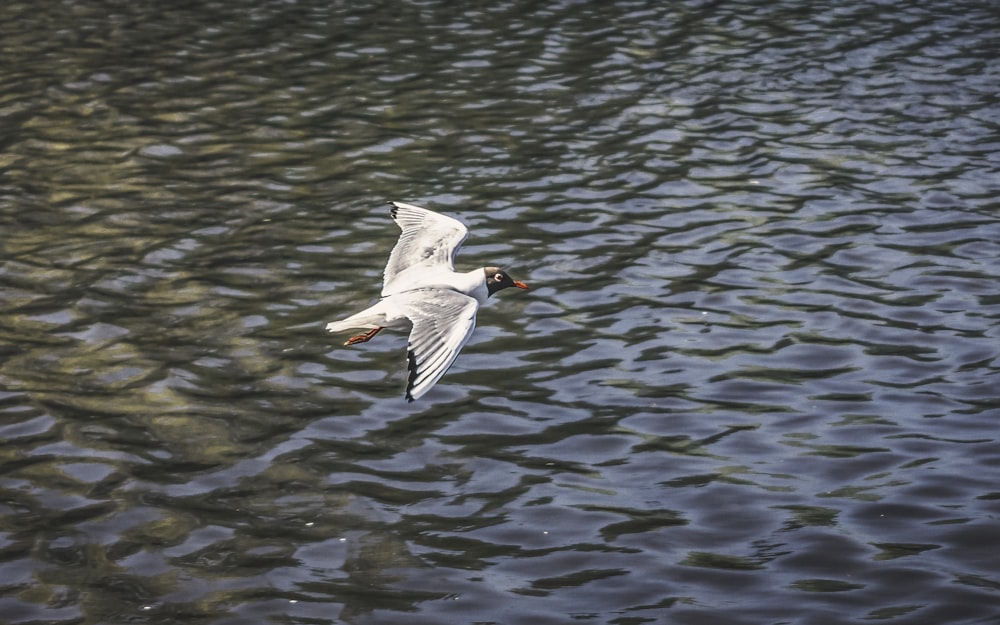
(498, 280)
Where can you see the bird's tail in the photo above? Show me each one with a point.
(338, 326)
(364, 319)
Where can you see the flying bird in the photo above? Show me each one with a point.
(422, 291)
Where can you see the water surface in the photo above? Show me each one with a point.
(754, 382)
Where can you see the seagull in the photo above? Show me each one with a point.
(422, 291)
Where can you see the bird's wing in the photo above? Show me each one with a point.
(443, 321)
(428, 239)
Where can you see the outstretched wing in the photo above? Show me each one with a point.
(443, 321)
(428, 239)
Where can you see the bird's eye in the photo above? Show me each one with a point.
(498, 277)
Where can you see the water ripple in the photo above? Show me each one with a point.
(754, 379)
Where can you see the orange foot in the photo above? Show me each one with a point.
(363, 338)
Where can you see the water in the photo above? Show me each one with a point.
(755, 380)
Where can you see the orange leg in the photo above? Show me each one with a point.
(363, 338)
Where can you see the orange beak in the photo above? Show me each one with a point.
(520, 285)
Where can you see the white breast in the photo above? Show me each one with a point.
(472, 283)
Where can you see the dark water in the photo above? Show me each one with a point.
(756, 380)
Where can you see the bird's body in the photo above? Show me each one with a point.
(422, 291)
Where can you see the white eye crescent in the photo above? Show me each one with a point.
(498, 277)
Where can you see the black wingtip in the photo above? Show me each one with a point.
(411, 365)
(393, 210)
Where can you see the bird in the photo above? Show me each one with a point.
(422, 291)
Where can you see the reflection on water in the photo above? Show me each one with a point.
(756, 382)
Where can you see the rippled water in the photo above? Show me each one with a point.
(755, 380)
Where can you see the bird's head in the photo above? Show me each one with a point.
(497, 279)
